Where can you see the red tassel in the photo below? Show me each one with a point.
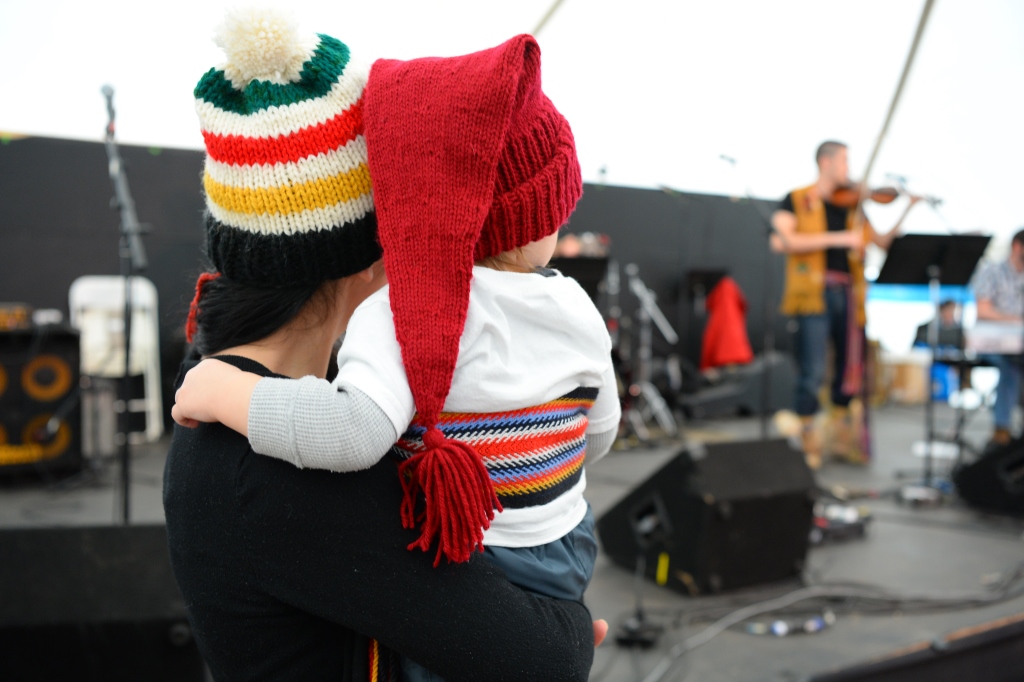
(459, 497)
(193, 309)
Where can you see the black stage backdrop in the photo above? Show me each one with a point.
(57, 224)
(669, 234)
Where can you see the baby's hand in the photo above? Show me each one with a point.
(199, 396)
(600, 631)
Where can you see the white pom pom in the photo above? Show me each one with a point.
(262, 44)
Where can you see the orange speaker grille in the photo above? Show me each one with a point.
(38, 385)
(30, 451)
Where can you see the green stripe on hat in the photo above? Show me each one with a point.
(318, 76)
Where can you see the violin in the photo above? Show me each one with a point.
(849, 195)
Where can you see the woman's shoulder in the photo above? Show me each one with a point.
(243, 363)
(201, 450)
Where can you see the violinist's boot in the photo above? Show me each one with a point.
(788, 425)
(810, 442)
(843, 434)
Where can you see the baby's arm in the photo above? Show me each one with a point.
(598, 444)
(307, 422)
(214, 391)
(315, 424)
(604, 417)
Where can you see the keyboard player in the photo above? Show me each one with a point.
(999, 291)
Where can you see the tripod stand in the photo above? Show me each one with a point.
(651, 526)
(652, 405)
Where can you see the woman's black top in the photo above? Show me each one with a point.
(281, 567)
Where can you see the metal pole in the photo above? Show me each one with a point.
(934, 283)
(133, 260)
(899, 88)
(547, 16)
(768, 342)
(126, 388)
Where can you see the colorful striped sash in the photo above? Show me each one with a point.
(533, 455)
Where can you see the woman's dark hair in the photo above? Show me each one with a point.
(231, 314)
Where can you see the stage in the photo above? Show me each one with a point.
(945, 549)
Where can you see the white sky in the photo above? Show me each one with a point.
(655, 90)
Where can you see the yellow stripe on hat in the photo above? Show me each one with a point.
(314, 219)
(288, 199)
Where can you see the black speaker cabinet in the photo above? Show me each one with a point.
(995, 482)
(92, 604)
(38, 375)
(717, 517)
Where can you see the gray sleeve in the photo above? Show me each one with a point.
(314, 424)
(606, 412)
(598, 444)
(984, 284)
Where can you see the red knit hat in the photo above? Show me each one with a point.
(468, 158)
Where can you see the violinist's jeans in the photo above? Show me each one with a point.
(1008, 389)
(810, 343)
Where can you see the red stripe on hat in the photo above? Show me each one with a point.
(310, 141)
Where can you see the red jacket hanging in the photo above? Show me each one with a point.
(725, 337)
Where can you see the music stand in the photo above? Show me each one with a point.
(932, 259)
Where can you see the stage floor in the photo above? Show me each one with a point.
(946, 549)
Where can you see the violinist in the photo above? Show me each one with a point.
(823, 236)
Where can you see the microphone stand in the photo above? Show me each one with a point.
(769, 323)
(768, 333)
(133, 260)
(769, 318)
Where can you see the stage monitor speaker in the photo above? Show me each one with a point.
(991, 652)
(717, 517)
(94, 603)
(995, 482)
(38, 374)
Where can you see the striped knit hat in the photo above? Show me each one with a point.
(469, 159)
(288, 192)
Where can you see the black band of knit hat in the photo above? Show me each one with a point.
(271, 260)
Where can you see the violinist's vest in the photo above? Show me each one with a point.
(804, 293)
